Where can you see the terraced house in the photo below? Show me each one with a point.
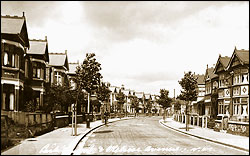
(39, 58)
(198, 107)
(233, 95)
(211, 94)
(14, 45)
(59, 66)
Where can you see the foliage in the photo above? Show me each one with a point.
(28, 100)
(120, 97)
(103, 92)
(58, 98)
(188, 84)
(88, 74)
(177, 104)
(134, 102)
(149, 105)
(164, 100)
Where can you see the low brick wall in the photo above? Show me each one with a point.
(65, 120)
(233, 127)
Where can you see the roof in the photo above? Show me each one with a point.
(58, 59)
(139, 94)
(126, 92)
(72, 68)
(222, 60)
(11, 24)
(39, 47)
(147, 96)
(210, 73)
(112, 88)
(14, 25)
(200, 79)
(242, 55)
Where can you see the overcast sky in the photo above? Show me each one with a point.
(147, 46)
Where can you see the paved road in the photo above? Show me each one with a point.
(146, 136)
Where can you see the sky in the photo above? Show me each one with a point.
(144, 45)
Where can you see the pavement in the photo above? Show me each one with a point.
(57, 142)
(62, 142)
(235, 141)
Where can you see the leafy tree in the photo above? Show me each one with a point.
(103, 92)
(163, 99)
(134, 102)
(149, 105)
(188, 92)
(120, 100)
(57, 98)
(88, 74)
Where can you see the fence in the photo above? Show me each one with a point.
(195, 120)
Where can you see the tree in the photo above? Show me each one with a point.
(120, 97)
(103, 92)
(164, 100)
(149, 105)
(189, 93)
(57, 98)
(134, 102)
(88, 74)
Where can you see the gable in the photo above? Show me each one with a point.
(15, 29)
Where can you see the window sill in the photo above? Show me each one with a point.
(10, 68)
(38, 79)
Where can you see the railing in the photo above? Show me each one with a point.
(195, 120)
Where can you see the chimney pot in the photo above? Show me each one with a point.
(23, 14)
(45, 38)
(66, 52)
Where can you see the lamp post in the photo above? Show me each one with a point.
(87, 119)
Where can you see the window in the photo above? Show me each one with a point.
(38, 71)
(244, 78)
(220, 105)
(6, 60)
(10, 58)
(11, 101)
(236, 106)
(58, 78)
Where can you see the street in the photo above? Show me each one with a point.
(143, 136)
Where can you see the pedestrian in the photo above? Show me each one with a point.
(106, 115)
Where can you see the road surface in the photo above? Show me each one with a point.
(143, 136)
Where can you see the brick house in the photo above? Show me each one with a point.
(223, 91)
(198, 107)
(211, 94)
(238, 67)
(233, 93)
(39, 57)
(14, 44)
(58, 63)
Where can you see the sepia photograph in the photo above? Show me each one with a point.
(124, 77)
